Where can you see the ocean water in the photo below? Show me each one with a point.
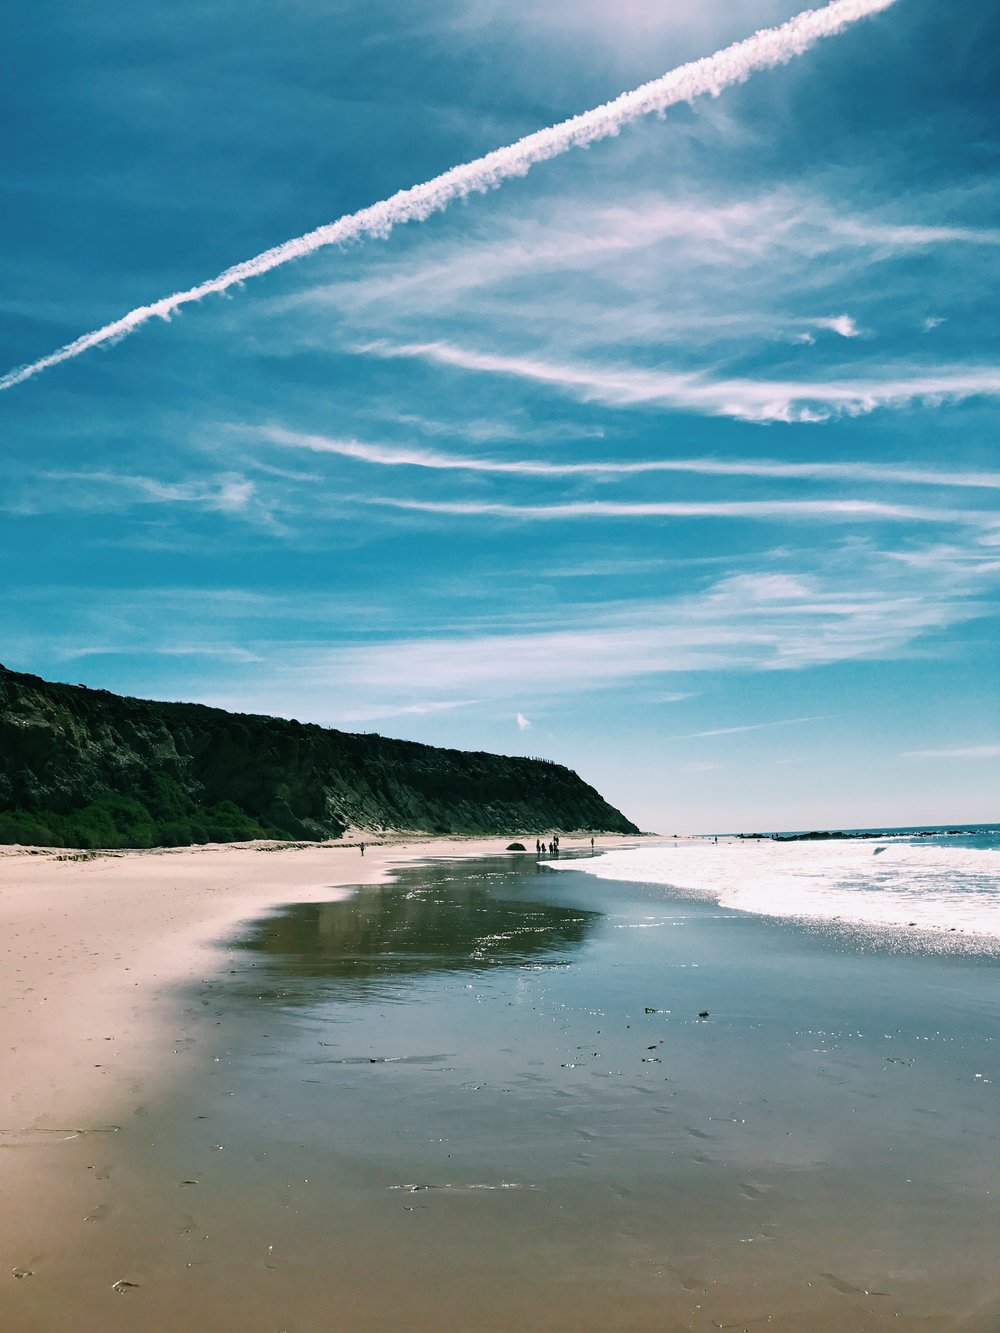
(901, 885)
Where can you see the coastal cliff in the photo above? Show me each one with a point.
(86, 768)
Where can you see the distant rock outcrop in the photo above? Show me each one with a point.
(87, 768)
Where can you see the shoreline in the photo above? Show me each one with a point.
(97, 952)
(126, 1157)
(95, 942)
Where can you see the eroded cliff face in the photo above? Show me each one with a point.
(81, 767)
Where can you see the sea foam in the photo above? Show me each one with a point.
(882, 883)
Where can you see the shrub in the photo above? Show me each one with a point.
(116, 821)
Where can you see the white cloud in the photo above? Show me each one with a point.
(522, 722)
(842, 324)
(745, 399)
(961, 752)
(632, 27)
(749, 235)
(853, 603)
(94, 489)
(912, 236)
(376, 712)
(230, 494)
(870, 608)
(743, 276)
(753, 726)
(386, 455)
(221, 652)
(837, 511)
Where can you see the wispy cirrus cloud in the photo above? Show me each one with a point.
(753, 726)
(854, 604)
(950, 560)
(224, 652)
(697, 391)
(752, 622)
(836, 511)
(911, 236)
(390, 455)
(959, 752)
(383, 712)
(94, 489)
(781, 227)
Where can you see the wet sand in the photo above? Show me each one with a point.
(92, 946)
(481, 1098)
(93, 951)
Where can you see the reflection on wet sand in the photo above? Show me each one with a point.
(440, 922)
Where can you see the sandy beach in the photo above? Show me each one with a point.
(93, 944)
(95, 948)
(480, 1096)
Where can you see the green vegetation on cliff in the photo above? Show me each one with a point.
(86, 768)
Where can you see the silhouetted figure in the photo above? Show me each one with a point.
(362, 845)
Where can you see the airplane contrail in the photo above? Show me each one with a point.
(711, 74)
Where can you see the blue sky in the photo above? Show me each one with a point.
(674, 460)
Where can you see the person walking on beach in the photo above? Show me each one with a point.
(362, 845)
